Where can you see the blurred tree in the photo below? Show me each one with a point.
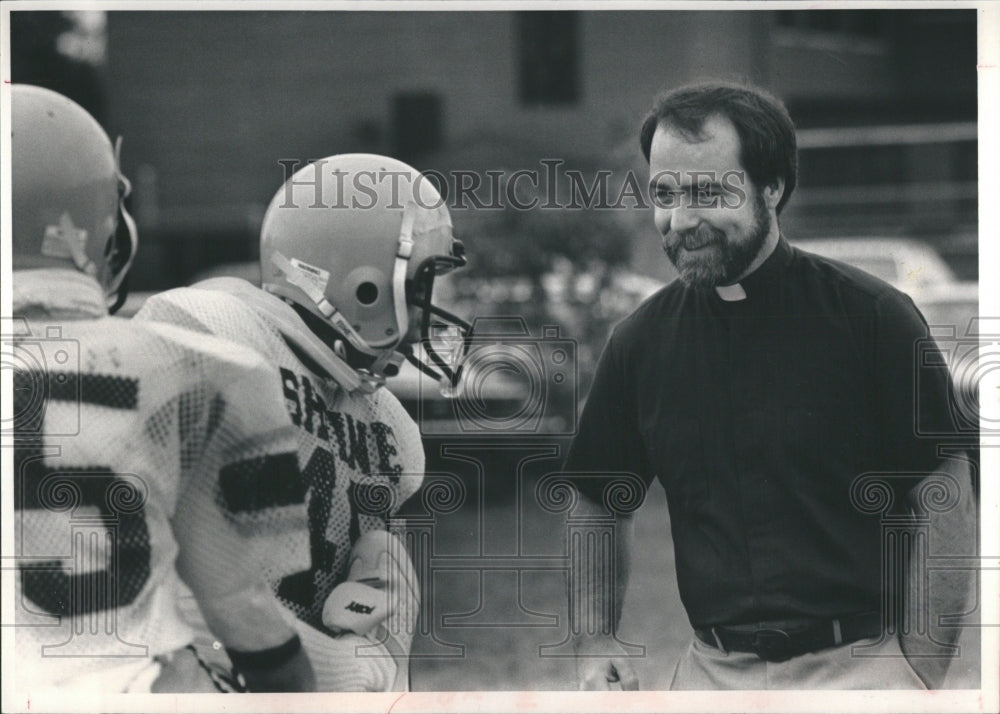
(564, 261)
(60, 51)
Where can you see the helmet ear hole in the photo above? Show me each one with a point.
(367, 293)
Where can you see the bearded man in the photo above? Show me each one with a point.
(769, 390)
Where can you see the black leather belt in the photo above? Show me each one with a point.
(777, 644)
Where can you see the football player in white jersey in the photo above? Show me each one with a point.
(350, 247)
(146, 458)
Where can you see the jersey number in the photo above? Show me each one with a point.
(320, 477)
(119, 536)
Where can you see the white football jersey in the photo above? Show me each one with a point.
(133, 442)
(360, 454)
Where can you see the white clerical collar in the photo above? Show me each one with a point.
(731, 293)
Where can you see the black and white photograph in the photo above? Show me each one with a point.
(500, 356)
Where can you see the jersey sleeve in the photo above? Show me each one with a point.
(608, 442)
(407, 446)
(172, 307)
(913, 391)
(210, 312)
(241, 516)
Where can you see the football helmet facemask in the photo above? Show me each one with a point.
(68, 192)
(356, 241)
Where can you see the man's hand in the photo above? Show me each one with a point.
(601, 664)
(953, 523)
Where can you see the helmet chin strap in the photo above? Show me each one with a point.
(388, 360)
(388, 363)
(404, 250)
(117, 288)
(330, 313)
(117, 291)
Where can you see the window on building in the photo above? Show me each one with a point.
(548, 55)
(860, 23)
(417, 124)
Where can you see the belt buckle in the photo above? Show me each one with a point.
(772, 645)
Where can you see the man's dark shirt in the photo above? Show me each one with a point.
(757, 415)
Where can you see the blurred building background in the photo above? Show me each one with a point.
(209, 101)
(208, 104)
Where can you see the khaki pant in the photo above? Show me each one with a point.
(865, 664)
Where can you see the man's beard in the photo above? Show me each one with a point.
(723, 260)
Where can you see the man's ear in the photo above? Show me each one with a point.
(773, 193)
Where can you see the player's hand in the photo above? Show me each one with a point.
(601, 664)
(285, 668)
(295, 675)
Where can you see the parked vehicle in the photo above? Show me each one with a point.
(907, 264)
(950, 307)
(952, 314)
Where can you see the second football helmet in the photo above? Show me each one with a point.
(357, 240)
(68, 191)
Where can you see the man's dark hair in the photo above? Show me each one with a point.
(767, 135)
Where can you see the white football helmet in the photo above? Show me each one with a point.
(356, 240)
(68, 192)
